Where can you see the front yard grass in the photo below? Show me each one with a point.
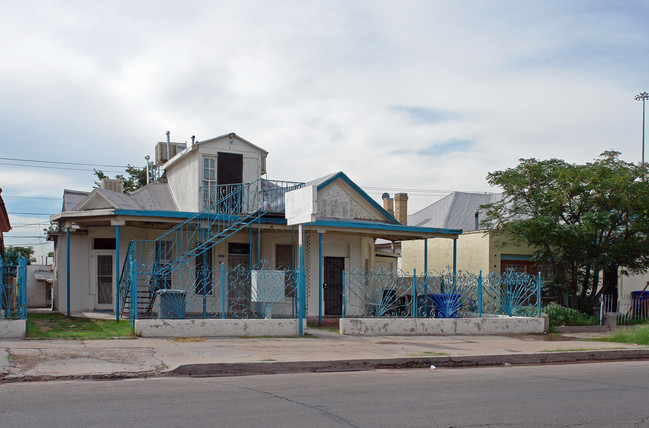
(57, 326)
(638, 335)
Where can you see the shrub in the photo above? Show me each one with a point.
(560, 315)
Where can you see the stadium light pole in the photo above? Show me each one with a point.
(642, 96)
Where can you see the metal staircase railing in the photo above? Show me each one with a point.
(230, 208)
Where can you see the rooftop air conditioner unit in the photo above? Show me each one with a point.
(161, 155)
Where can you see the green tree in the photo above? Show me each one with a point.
(135, 178)
(584, 221)
(12, 254)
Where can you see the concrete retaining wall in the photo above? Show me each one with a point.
(13, 328)
(440, 326)
(217, 327)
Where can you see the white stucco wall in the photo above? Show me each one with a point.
(185, 174)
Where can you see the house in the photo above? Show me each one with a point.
(213, 218)
(477, 250)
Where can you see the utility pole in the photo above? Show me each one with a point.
(642, 96)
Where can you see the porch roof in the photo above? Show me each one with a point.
(391, 232)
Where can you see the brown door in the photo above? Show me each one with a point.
(229, 170)
(333, 285)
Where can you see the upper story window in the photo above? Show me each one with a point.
(209, 171)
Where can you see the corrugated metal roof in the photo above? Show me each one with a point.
(455, 211)
(71, 198)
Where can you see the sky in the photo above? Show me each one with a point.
(421, 97)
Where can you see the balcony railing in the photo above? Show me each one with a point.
(263, 194)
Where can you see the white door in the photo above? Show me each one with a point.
(104, 278)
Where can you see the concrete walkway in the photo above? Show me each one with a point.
(33, 360)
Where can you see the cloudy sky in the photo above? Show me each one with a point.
(423, 97)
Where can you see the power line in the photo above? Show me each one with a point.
(17, 213)
(63, 163)
(54, 167)
(31, 197)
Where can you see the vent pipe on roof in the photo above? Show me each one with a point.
(168, 146)
(193, 139)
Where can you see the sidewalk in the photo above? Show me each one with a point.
(34, 360)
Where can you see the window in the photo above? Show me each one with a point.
(209, 181)
(103, 244)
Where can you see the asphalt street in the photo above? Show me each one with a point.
(596, 394)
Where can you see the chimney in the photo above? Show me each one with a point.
(113, 184)
(388, 203)
(401, 208)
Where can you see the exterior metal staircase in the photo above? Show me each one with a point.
(150, 264)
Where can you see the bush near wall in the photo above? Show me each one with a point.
(560, 315)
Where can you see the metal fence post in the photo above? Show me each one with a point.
(414, 293)
(134, 298)
(538, 295)
(22, 263)
(223, 281)
(480, 301)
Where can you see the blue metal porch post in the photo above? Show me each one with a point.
(68, 270)
(117, 273)
(454, 262)
(480, 294)
(425, 299)
(320, 279)
(204, 275)
(301, 289)
(259, 241)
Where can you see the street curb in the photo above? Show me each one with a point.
(282, 367)
(93, 376)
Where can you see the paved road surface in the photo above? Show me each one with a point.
(603, 394)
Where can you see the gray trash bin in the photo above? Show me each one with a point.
(172, 303)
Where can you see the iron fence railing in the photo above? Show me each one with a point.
(631, 309)
(13, 290)
(382, 293)
(260, 194)
(201, 291)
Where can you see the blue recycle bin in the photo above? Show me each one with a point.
(446, 305)
(172, 303)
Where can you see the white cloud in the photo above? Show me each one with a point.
(316, 84)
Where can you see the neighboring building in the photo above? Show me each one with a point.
(477, 250)
(39, 286)
(95, 228)
(5, 226)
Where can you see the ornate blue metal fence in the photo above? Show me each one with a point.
(13, 290)
(381, 293)
(201, 291)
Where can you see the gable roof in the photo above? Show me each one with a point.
(456, 210)
(194, 147)
(322, 182)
